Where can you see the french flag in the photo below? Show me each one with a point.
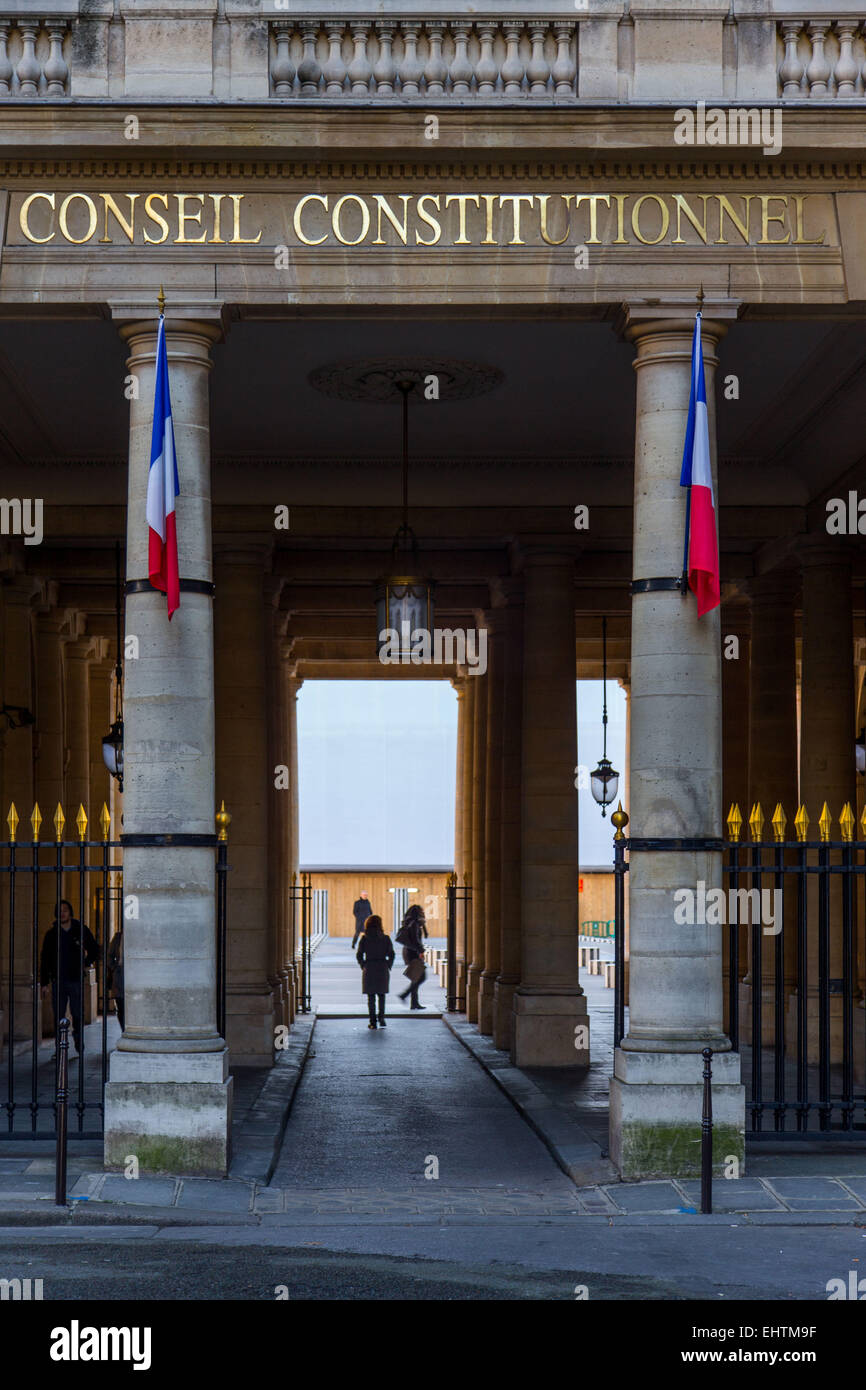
(701, 557)
(163, 487)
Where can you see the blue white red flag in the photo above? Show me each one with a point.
(163, 487)
(701, 559)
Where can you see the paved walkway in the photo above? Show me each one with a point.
(336, 982)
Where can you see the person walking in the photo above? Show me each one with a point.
(362, 911)
(115, 973)
(75, 941)
(411, 937)
(375, 955)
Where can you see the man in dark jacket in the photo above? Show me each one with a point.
(68, 990)
(362, 911)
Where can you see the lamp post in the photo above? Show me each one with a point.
(604, 780)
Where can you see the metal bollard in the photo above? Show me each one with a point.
(61, 1100)
(707, 1135)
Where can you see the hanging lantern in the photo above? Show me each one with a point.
(112, 751)
(404, 598)
(604, 781)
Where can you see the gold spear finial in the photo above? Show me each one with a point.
(223, 820)
(81, 822)
(801, 824)
(160, 299)
(825, 821)
(36, 821)
(619, 819)
(863, 824)
(105, 820)
(756, 821)
(779, 822)
(846, 821)
(452, 879)
(59, 822)
(12, 822)
(735, 823)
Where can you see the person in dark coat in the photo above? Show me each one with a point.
(375, 955)
(68, 991)
(362, 911)
(115, 973)
(411, 937)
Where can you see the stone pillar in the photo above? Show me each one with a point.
(244, 780)
(624, 798)
(54, 628)
(278, 808)
(772, 770)
(168, 1097)
(101, 717)
(460, 683)
(78, 657)
(293, 686)
(551, 1023)
(736, 639)
(467, 793)
(16, 687)
(510, 592)
(479, 878)
(827, 768)
(675, 972)
(492, 822)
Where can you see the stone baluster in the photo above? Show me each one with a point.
(486, 69)
(56, 69)
(410, 68)
(791, 69)
(846, 64)
(461, 67)
(309, 69)
(564, 70)
(6, 69)
(360, 69)
(334, 69)
(29, 68)
(436, 70)
(283, 69)
(512, 68)
(385, 70)
(818, 71)
(538, 68)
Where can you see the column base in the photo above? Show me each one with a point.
(546, 1030)
(251, 1024)
(473, 986)
(656, 1101)
(503, 1013)
(460, 981)
(172, 1111)
(486, 1002)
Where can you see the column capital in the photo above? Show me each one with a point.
(25, 590)
(506, 591)
(776, 587)
(535, 552)
(188, 340)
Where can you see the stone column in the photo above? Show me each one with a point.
(278, 807)
(245, 778)
(551, 1023)
(736, 638)
(467, 792)
(168, 1097)
(772, 769)
(675, 971)
(827, 733)
(492, 821)
(510, 593)
(54, 628)
(16, 687)
(479, 877)
(293, 686)
(101, 717)
(78, 657)
(460, 683)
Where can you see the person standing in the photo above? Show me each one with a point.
(411, 937)
(375, 955)
(74, 942)
(115, 973)
(362, 911)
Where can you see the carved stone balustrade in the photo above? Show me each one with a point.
(33, 62)
(410, 59)
(821, 58)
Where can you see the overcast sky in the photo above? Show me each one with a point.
(378, 765)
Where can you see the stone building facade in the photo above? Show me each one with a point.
(523, 204)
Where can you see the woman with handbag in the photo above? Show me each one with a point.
(411, 937)
(375, 955)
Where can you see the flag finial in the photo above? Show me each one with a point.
(700, 297)
(160, 299)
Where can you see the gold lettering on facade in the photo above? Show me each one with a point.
(110, 206)
(23, 219)
(593, 199)
(296, 220)
(515, 199)
(237, 239)
(216, 239)
(461, 199)
(767, 217)
(157, 218)
(800, 239)
(64, 212)
(542, 199)
(683, 207)
(336, 219)
(726, 208)
(401, 228)
(432, 222)
(183, 217)
(663, 212)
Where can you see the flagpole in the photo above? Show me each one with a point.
(684, 578)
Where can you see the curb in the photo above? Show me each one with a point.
(573, 1149)
(257, 1146)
